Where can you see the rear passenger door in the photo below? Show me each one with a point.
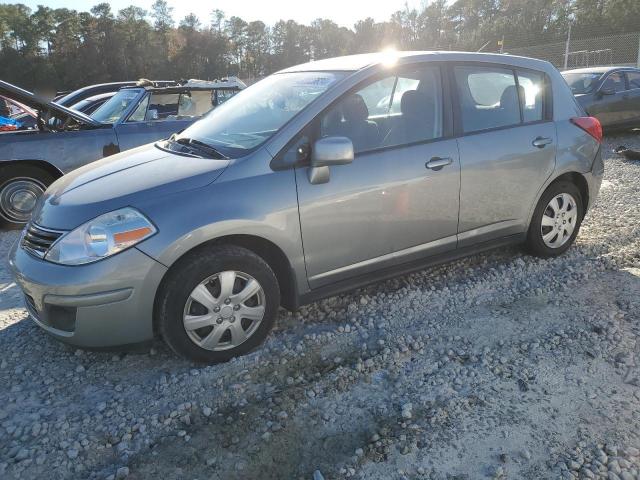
(507, 144)
(398, 200)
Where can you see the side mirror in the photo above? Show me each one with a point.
(327, 152)
(607, 91)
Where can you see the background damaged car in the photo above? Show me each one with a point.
(64, 139)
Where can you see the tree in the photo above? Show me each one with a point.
(72, 49)
(217, 20)
(135, 32)
(328, 39)
(162, 15)
(190, 22)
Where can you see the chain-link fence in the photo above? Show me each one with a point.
(623, 49)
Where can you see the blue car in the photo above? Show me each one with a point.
(65, 139)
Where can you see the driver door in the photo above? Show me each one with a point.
(388, 206)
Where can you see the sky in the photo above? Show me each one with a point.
(343, 12)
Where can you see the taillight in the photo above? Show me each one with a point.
(591, 125)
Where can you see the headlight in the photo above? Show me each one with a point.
(101, 237)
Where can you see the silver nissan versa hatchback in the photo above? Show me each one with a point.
(318, 179)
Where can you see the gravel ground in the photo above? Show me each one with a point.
(497, 366)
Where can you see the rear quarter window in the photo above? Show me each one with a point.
(534, 88)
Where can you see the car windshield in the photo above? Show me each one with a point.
(251, 117)
(582, 82)
(111, 111)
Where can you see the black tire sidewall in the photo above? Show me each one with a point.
(188, 275)
(535, 242)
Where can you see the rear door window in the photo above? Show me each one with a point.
(489, 97)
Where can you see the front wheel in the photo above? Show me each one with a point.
(217, 304)
(20, 188)
(556, 220)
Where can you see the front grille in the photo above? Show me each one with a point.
(37, 240)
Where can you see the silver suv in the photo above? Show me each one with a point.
(318, 179)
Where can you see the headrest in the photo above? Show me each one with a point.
(354, 109)
(509, 98)
(415, 103)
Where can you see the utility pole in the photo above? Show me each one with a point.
(566, 48)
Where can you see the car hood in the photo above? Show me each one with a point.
(31, 100)
(126, 179)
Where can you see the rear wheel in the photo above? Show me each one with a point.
(20, 188)
(218, 304)
(556, 220)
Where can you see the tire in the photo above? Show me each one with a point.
(541, 241)
(20, 188)
(217, 340)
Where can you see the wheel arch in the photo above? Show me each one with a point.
(579, 181)
(41, 164)
(577, 178)
(266, 249)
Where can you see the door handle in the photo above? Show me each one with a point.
(436, 163)
(541, 142)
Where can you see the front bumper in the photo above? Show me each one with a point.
(103, 304)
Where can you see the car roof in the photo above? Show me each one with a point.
(598, 69)
(174, 89)
(352, 63)
(231, 83)
(80, 94)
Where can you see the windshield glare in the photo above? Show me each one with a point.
(112, 109)
(582, 82)
(251, 117)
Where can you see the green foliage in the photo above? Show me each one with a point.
(69, 49)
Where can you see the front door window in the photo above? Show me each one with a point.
(401, 109)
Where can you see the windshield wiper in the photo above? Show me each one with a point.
(198, 146)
